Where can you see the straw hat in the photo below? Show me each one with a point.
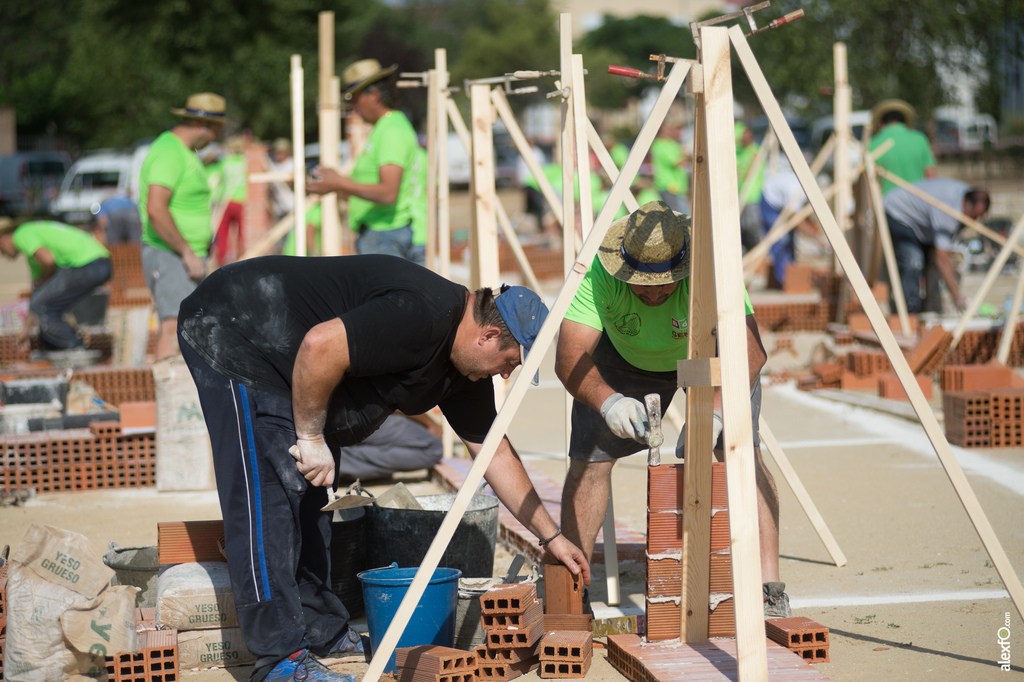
(205, 106)
(363, 73)
(650, 247)
(7, 225)
(282, 144)
(885, 106)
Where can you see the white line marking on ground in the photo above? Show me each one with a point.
(835, 443)
(866, 600)
(909, 435)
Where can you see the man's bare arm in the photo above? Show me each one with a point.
(384, 192)
(575, 367)
(158, 208)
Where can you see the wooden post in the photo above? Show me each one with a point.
(530, 366)
(738, 435)
(696, 545)
(444, 241)
(1010, 323)
(298, 144)
(579, 119)
(431, 188)
(566, 158)
(484, 229)
(841, 124)
(881, 327)
(330, 134)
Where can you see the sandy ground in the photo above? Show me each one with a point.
(917, 600)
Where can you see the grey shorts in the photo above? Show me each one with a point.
(592, 440)
(167, 280)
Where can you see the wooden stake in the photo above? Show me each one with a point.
(483, 268)
(738, 435)
(544, 339)
(431, 189)
(841, 125)
(330, 134)
(444, 242)
(1010, 323)
(580, 121)
(298, 145)
(880, 325)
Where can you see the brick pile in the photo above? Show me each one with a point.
(127, 281)
(983, 406)
(156, 659)
(664, 554)
(434, 663)
(78, 459)
(114, 385)
(513, 622)
(566, 654)
(980, 346)
(800, 635)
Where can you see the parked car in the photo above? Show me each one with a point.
(96, 177)
(29, 181)
(969, 133)
(823, 127)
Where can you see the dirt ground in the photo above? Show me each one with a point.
(918, 598)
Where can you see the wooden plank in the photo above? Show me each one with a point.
(878, 322)
(580, 121)
(568, 149)
(444, 242)
(802, 496)
(484, 228)
(986, 285)
(298, 144)
(1010, 323)
(732, 343)
(545, 337)
(433, 94)
(329, 96)
(699, 371)
(841, 125)
(696, 543)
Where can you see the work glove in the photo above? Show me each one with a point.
(716, 431)
(626, 417)
(314, 460)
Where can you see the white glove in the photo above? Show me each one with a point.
(626, 417)
(716, 431)
(314, 460)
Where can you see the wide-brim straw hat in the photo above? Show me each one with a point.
(205, 106)
(650, 247)
(7, 225)
(363, 73)
(885, 106)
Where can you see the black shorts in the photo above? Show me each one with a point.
(593, 441)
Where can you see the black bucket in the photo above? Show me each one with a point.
(348, 557)
(404, 535)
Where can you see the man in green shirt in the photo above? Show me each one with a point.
(751, 225)
(911, 155)
(233, 191)
(174, 204)
(66, 263)
(621, 339)
(667, 159)
(380, 189)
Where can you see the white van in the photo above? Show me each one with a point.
(91, 180)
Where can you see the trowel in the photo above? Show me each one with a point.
(655, 436)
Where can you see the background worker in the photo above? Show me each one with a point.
(910, 157)
(751, 223)
(282, 196)
(315, 354)
(621, 339)
(402, 443)
(66, 264)
(380, 187)
(921, 232)
(117, 221)
(667, 165)
(233, 192)
(174, 204)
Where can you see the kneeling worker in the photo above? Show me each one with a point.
(314, 354)
(621, 339)
(66, 263)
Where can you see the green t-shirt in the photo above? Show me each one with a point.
(619, 153)
(649, 338)
(392, 142)
(234, 170)
(171, 164)
(418, 173)
(69, 246)
(666, 160)
(744, 159)
(314, 217)
(909, 156)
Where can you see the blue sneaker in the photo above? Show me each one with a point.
(302, 666)
(349, 643)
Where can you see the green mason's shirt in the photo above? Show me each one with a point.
(392, 142)
(666, 160)
(69, 246)
(649, 338)
(171, 164)
(909, 156)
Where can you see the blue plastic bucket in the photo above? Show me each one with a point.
(433, 620)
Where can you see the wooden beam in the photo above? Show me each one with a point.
(1010, 323)
(545, 337)
(841, 125)
(695, 561)
(881, 326)
(738, 435)
(484, 270)
(802, 496)
(433, 94)
(330, 133)
(580, 121)
(699, 371)
(444, 241)
(298, 145)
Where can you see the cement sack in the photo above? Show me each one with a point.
(221, 648)
(195, 596)
(63, 619)
(184, 460)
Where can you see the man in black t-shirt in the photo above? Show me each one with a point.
(311, 354)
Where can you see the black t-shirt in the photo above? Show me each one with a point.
(248, 319)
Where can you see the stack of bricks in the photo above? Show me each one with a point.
(664, 554)
(114, 385)
(94, 339)
(566, 654)
(800, 635)
(980, 345)
(434, 663)
(513, 622)
(78, 459)
(791, 317)
(567, 646)
(983, 406)
(155, 660)
(862, 368)
(127, 281)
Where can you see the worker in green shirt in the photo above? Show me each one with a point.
(911, 157)
(233, 170)
(380, 189)
(66, 263)
(751, 224)
(667, 161)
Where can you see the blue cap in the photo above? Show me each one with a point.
(524, 314)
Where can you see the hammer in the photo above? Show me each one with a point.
(654, 435)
